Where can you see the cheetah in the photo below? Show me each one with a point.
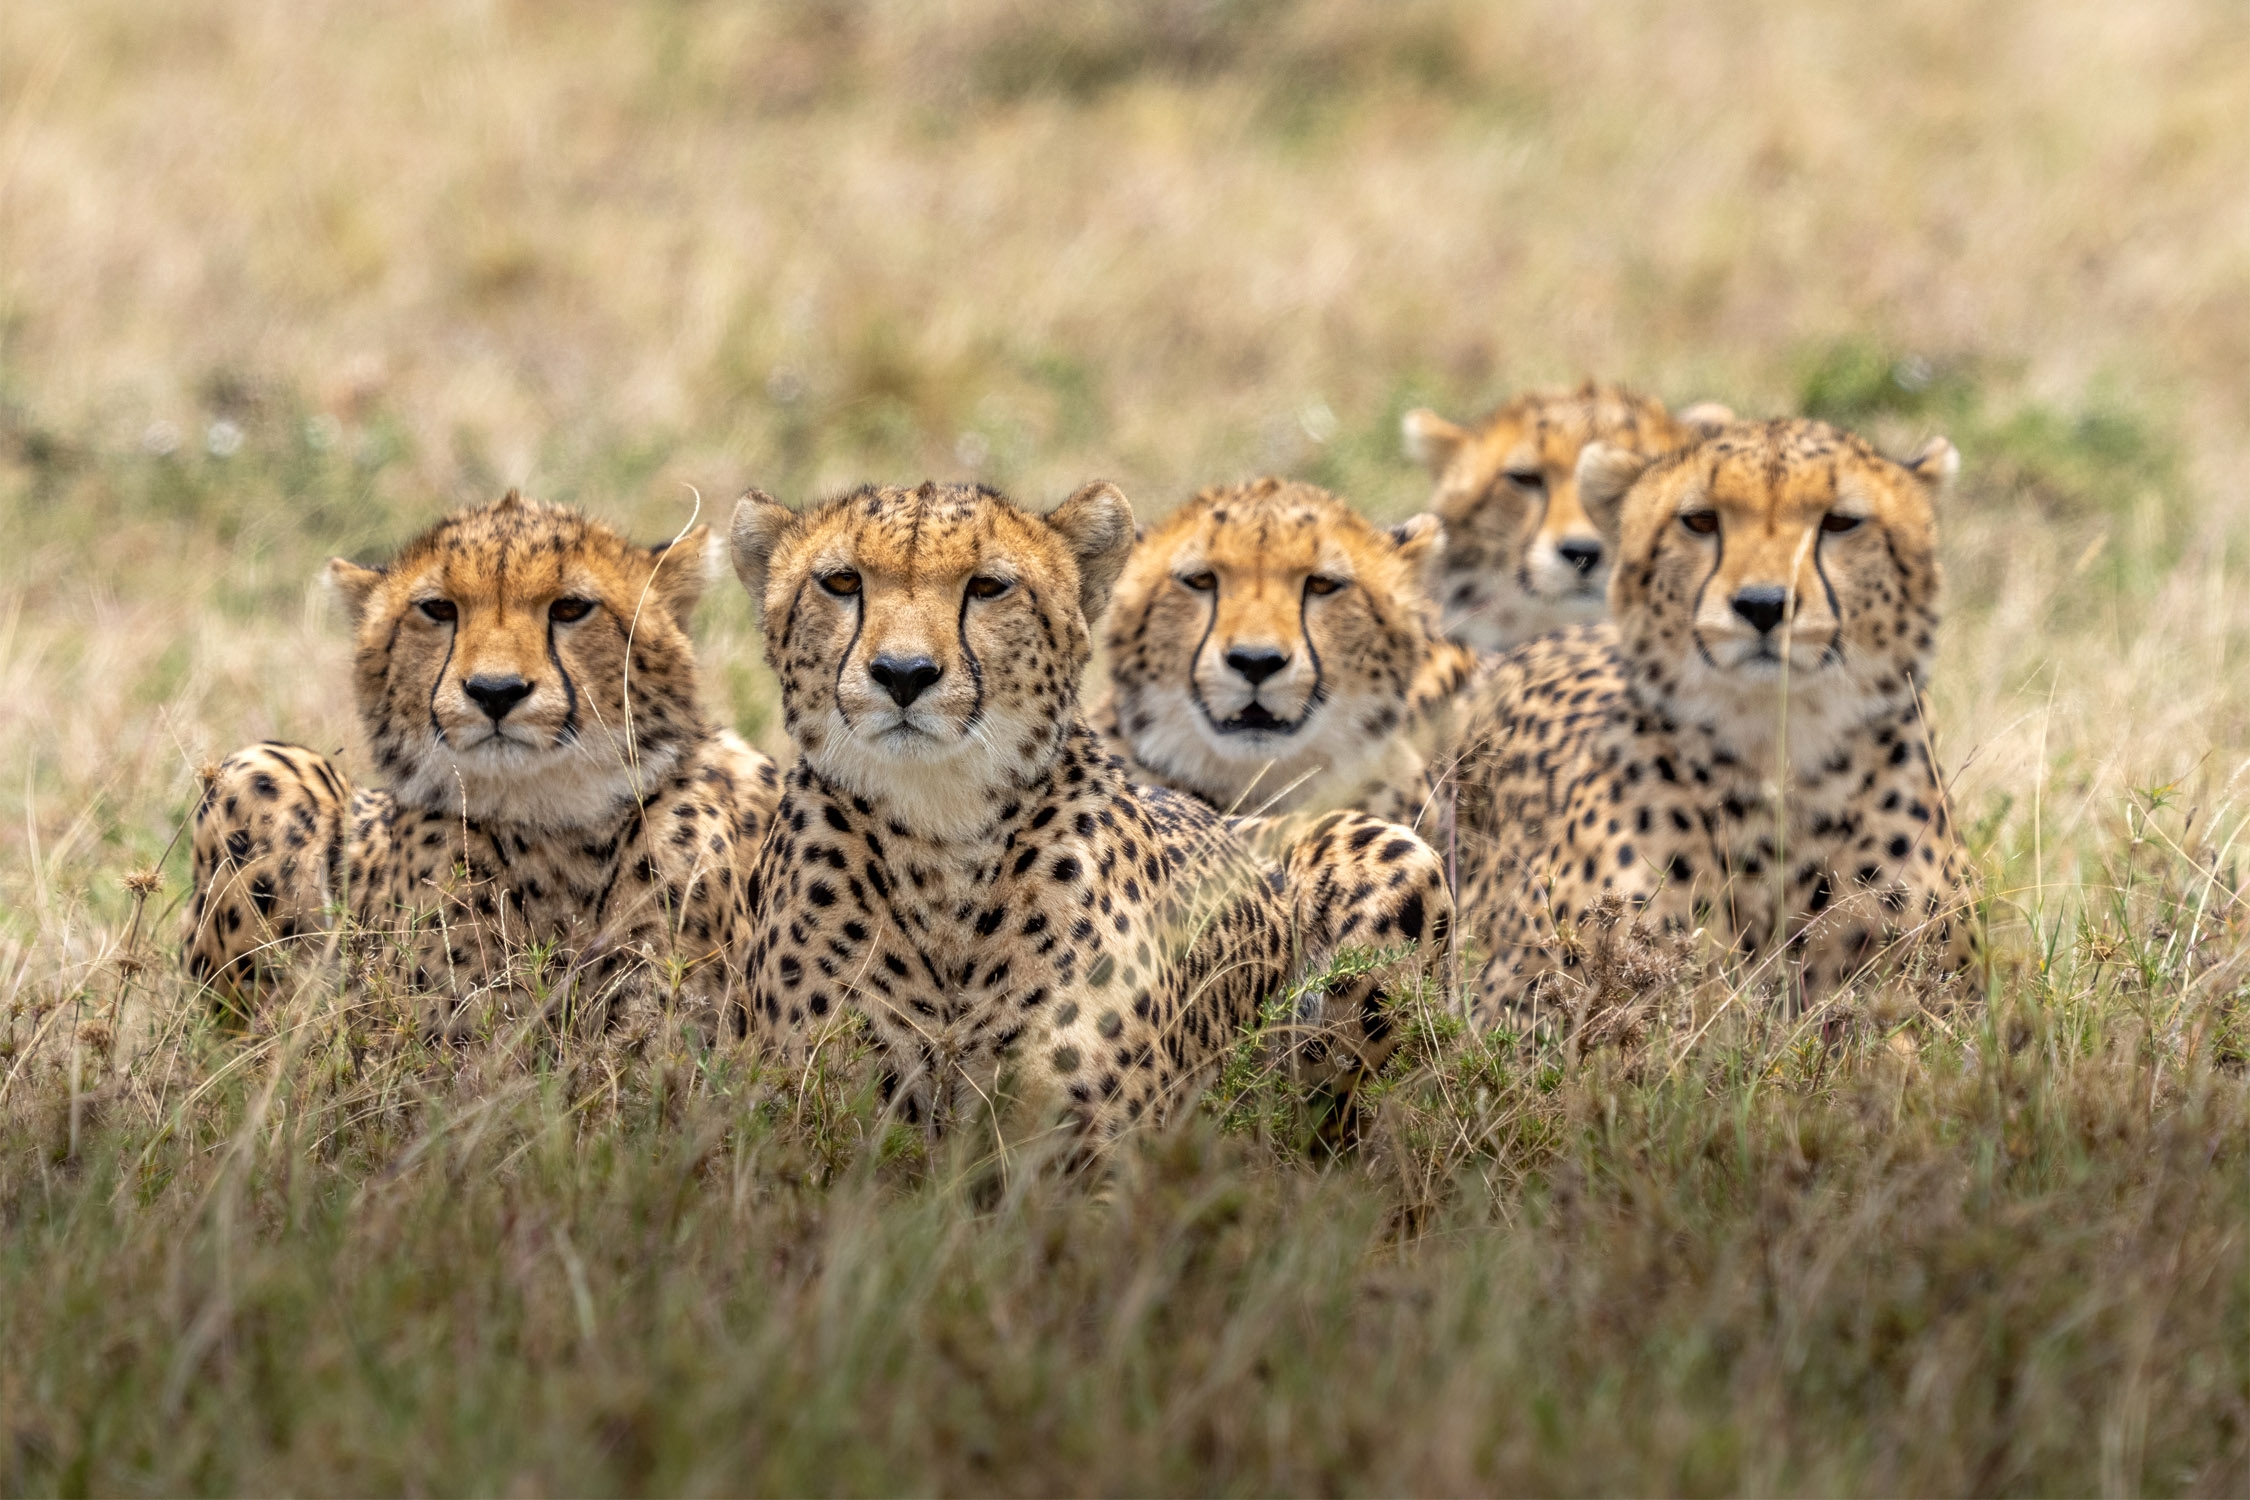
(525, 681)
(1269, 649)
(1744, 748)
(1526, 550)
(958, 861)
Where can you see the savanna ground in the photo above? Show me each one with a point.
(283, 280)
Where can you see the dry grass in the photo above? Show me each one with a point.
(282, 280)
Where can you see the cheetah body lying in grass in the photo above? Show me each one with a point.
(957, 860)
(527, 686)
(1744, 749)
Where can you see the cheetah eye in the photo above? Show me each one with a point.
(982, 587)
(441, 610)
(1527, 479)
(1321, 584)
(1833, 522)
(842, 583)
(563, 611)
(1202, 583)
(1701, 522)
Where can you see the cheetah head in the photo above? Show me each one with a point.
(1527, 551)
(1265, 634)
(1771, 559)
(929, 642)
(523, 663)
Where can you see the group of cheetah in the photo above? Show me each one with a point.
(1632, 667)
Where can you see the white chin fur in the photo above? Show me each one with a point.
(1825, 705)
(940, 788)
(545, 786)
(1252, 772)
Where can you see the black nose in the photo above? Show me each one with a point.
(497, 696)
(1584, 556)
(905, 678)
(1762, 607)
(1257, 663)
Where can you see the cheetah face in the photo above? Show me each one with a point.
(1526, 549)
(929, 641)
(1264, 634)
(522, 663)
(1772, 556)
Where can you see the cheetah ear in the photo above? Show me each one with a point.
(1935, 465)
(1419, 539)
(1605, 473)
(1431, 441)
(759, 523)
(1705, 418)
(1097, 522)
(353, 584)
(681, 567)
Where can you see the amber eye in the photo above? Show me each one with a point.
(1527, 479)
(563, 611)
(1202, 583)
(1833, 522)
(982, 587)
(1319, 584)
(441, 610)
(842, 583)
(1701, 522)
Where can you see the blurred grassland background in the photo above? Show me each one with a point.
(280, 280)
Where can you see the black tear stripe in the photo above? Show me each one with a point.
(1210, 623)
(570, 689)
(452, 636)
(859, 622)
(1319, 693)
(976, 668)
(1694, 632)
(1834, 651)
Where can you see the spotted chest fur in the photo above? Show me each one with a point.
(525, 679)
(959, 862)
(1653, 765)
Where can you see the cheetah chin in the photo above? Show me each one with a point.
(566, 785)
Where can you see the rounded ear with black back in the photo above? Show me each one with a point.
(760, 522)
(1705, 417)
(678, 571)
(1605, 473)
(1419, 539)
(1097, 523)
(1431, 441)
(353, 584)
(1935, 463)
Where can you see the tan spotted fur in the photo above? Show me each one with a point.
(957, 860)
(1527, 550)
(585, 806)
(1271, 650)
(1746, 750)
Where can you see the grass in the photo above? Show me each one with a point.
(638, 256)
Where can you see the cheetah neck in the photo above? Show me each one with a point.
(552, 790)
(940, 879)
(1753, 725)
(1318, 766)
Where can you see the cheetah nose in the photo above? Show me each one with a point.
(905, 678)
(1584, 556)
(1257, 663)
(497, 696)
(1762, 607)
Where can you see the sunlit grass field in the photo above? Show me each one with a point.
(284, 281)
